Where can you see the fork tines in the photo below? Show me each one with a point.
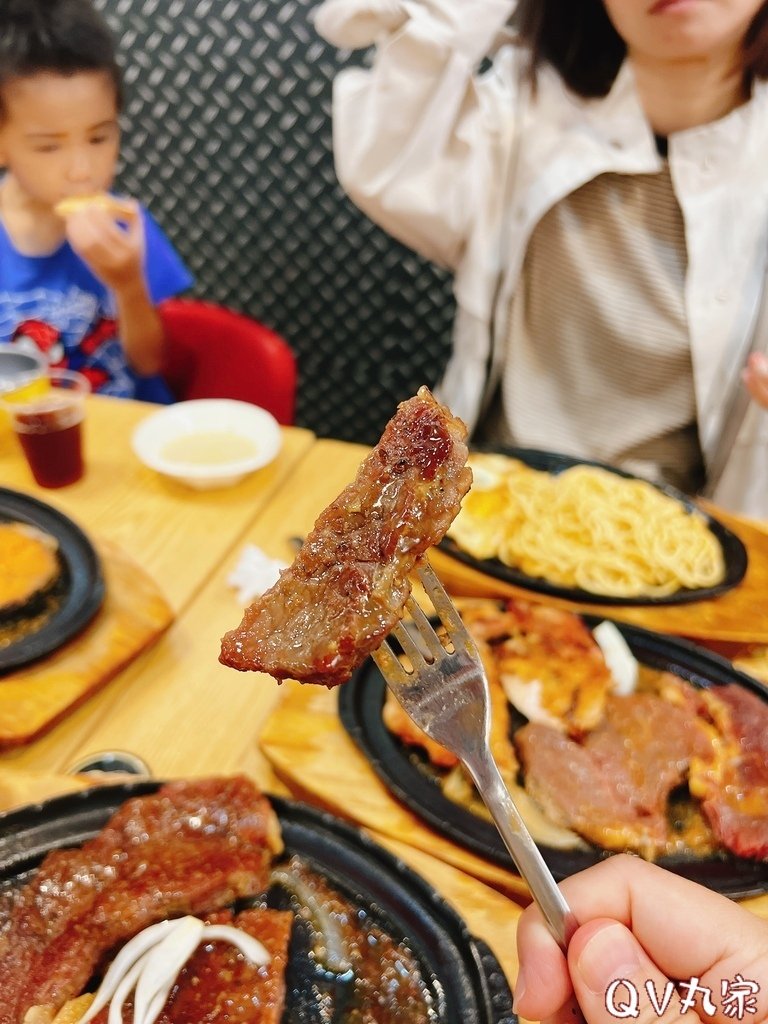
(422, 645)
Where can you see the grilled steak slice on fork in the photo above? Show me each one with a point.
(349, 583)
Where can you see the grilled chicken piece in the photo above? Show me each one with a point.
(349, 583)
(547, 661)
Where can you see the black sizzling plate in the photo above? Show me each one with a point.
(79, 591)
(404, 772)
(734, 552)
(462, 975)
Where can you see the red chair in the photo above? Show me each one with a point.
(213, 352)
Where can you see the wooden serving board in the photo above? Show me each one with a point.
(311, 753)
(739, 616)
(134, 614)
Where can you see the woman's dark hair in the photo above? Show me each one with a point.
(578, 39)
(60, 36)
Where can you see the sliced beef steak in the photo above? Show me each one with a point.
(565, 779)
(348, 585)
(613, 788)
(646, 744)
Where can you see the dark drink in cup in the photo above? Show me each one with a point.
(54, 451)
(49, 428)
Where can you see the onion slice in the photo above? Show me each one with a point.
(150, 963)
(330, 951)
(621, 662)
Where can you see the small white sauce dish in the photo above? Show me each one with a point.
(209, 442)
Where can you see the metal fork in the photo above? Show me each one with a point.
(446, 695)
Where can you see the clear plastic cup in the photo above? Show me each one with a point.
(49, 427)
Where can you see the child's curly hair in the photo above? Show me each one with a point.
(59, 36)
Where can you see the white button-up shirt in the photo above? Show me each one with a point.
(462, 166)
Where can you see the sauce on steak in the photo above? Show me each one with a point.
(51, 923)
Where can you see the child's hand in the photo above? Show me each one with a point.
(755, 378)
(646, 926)
(115, 253)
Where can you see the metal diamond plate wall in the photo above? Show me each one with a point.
(228, 142)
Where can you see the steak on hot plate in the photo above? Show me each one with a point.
(191, 847)
(613, 788)
(349, 583)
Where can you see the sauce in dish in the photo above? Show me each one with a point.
(209, 448)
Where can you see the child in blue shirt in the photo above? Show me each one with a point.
(80, 286)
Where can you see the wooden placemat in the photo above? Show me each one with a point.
(738, 616)
(312, 754)
(134, 614)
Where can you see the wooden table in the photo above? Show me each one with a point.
(176, 534)
(176, 706)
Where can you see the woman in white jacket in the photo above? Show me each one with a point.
(601, 193)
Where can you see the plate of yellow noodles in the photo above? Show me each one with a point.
(590, 533)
